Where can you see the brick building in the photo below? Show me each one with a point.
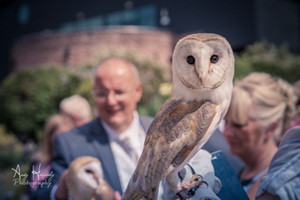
(79, 48)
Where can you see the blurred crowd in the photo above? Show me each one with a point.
(74, 111)
(253, 135)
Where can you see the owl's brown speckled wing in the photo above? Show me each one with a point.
(177, 128)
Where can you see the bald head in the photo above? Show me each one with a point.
(118, 66)
(117, 90)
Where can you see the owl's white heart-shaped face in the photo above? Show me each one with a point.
(90, 174)
(83, 177)
(202, 62)
(85, 180)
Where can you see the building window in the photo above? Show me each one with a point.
(23, 14)
(142, 16)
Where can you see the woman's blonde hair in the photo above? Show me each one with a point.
(297, 91)
(265, 99)
(51, 126)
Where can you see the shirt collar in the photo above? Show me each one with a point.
(115, 135)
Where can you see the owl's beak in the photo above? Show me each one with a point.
(202, 72)
(97, 180)
(202, 77)
(201, 81)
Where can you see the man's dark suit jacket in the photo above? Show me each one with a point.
(92, 140)
(87, 140)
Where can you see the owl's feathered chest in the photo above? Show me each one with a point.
(178, 121)
(220, 96)
(175, 133)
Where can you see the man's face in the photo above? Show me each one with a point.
(116, 92)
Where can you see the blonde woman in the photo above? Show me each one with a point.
(296, 121)
(54, 125)
(258, 116)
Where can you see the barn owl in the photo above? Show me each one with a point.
(85, 181)
(203, 68)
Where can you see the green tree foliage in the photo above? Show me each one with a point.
(28, 97)
(11, 149)
(12, 154)
(266, 57)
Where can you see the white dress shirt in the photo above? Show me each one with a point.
(135, 136)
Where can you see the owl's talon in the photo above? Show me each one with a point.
(189, 188)
(205, 183)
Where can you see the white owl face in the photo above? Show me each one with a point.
(201, 62)
(90, 174)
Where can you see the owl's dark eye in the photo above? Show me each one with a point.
(190, 60)
(214, 59)
(88, 171)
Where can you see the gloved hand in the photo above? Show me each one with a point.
(199, 164)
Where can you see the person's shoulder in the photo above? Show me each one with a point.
(290, 135)
(295, 129)
(80, 131)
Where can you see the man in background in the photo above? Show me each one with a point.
(116, 137)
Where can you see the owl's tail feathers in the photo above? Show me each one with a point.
(140, 194)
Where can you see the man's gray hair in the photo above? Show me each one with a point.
(76, 105)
